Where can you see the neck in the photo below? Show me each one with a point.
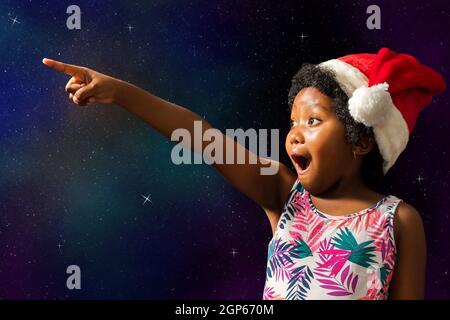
(346, 187)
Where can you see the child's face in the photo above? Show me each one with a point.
(316, 142)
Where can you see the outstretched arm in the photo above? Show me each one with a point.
(87, 86)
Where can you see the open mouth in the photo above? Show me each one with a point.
(301, 163)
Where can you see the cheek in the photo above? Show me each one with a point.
(329, 144)
(287, 145)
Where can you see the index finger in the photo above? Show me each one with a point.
(68, 69)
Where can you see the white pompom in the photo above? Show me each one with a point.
(369, 105)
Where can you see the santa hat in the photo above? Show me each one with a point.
(386, 91)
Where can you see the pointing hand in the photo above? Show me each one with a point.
(85, 85)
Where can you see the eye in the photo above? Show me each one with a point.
(293, 123)
(313, 121)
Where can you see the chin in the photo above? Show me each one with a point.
(305, 182)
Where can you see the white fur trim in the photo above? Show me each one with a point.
(369, 105)
(349, 77)
(391, 136)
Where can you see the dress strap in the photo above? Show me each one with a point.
(389, 208)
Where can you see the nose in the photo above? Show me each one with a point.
(296, 137)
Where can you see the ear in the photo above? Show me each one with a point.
(364, 145)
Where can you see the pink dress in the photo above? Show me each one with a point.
(313, 255)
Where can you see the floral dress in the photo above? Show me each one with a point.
(313, 255)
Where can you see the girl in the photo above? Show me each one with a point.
(334, 237)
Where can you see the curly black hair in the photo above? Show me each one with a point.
(311, 75)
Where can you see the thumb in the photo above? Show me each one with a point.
(85, 92)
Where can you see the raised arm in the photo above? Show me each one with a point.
(87, 86)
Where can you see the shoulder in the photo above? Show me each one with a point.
(407, 221)
(407, 214)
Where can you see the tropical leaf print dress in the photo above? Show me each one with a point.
(314, 255)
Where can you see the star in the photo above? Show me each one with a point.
(147, 198)
(419, 178)
(14, 20)
(234, 252)
(303, 36)
(130, 27)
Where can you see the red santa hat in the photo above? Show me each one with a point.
(386, 91)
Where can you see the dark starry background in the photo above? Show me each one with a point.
(73, 179)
